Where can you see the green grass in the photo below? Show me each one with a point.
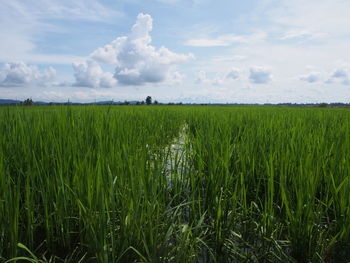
(107, 184)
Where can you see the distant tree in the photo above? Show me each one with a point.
(126, 103)
(155, 102)
(142, 103)
(323, 105)
(149, 100)
(28, 102)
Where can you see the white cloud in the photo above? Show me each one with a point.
(137, 62)
(228, 58)
(108, 53)
(176, 78)
(90, 74)
(23, 23)
(301, 34)
(207, 42)
(20, 74)
(295, 34)
(202, 78)
(311, 77)
(321, 16)
(260, 75)
(89, 10)
(339, 75)
(225, 40)
(231, 75)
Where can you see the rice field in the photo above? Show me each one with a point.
(174, 184)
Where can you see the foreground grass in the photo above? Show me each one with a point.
(104, 184)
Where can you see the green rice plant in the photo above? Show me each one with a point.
(174, 184)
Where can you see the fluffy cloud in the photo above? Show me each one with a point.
(20, 74)
(176, 78)
(339, 75)
(90, 74)
(312, 77)
(137, 62)
(202, 78)
(233, 74)
(260, 75)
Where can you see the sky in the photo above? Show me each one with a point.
(194, 51)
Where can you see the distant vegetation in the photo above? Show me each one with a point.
(174, 184)
(148, 101)
(28, 102)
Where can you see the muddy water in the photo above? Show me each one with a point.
(177, 161)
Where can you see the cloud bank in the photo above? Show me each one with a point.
(337, 76)
(19, 74)
(136, 61)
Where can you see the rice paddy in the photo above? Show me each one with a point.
(174, 184)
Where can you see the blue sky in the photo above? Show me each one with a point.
(176, 50)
